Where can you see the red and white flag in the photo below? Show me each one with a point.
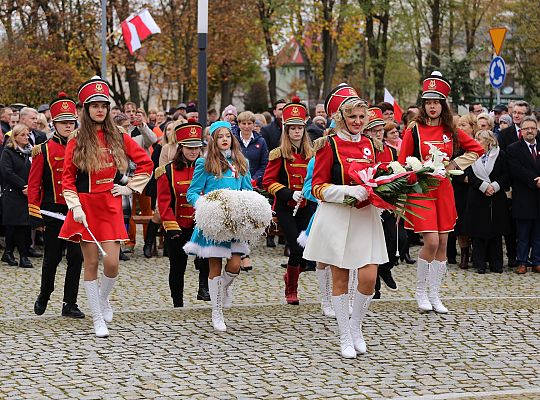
(397, 109)
(138, 27)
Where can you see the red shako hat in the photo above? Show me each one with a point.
(63, 108)
(341, 94)
(375, 117)
(189, 134)
(95, 89)
(435, 87)
(295, 113)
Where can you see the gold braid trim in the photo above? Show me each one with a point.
(276, 153)
(160, 170)
(36, 150)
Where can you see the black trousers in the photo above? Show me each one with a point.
(488, 250)
(395, 237)
(178, 261)
(52, 255)
(292, 226)
(18, 236)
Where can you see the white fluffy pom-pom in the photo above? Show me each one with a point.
(225, 215)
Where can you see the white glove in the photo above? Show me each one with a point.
(79, 215)
(358, 192)
(297, 195)
(119, 190)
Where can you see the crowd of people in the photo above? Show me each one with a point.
(79, 176)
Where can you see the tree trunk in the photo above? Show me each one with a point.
(329, 42)
(266, 10)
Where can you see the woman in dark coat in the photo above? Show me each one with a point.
(487, 217)
(15, 166)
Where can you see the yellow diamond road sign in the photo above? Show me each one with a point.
(497, 38)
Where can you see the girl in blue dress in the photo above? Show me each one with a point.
(224, 167)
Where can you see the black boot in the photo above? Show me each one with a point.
(8, 257)
(71, 310)
(270, 241)
(151, 232)
(123, 256)
(203, 293)
(177, 303)
(41, 304)
(25, 262)
(407, 258)
(464, 262)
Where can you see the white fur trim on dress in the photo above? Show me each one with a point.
(302, 239)
(194, 249)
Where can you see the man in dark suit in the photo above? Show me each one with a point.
(271, 133)
(512, 134)
(29, 117)
(524, 165)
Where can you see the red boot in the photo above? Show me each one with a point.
(291, 284)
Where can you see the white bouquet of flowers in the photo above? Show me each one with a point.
(224, 215)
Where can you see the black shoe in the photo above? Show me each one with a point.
(41, 304)
(270, 241)
(407, 258)
(284, 265)
(203, 294)
(386, 276)
(147, 250)
(25, 263)
(308, 268)
(497, 270)
(9, 258)
(123, 256)
(34, 253)
(246, 269)
(377, 295)
(71, 310)
(481, 270)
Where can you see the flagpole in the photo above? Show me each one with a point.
(202, 39)
(104, 39)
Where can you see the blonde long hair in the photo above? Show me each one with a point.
(286, 146)
(216, 164)
(88, 156)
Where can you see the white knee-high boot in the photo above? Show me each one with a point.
(324, 276)
(341, 307)
(227, 279)
(421, 294)
(437, 271)
(360, 308)
(215, 287)
(92, 292)
(107, 285)
(353, 284)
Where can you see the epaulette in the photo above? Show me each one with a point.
(36, 149)
(73, 134)
(276, 153)
(160, 170)
(319, 143)
(411, 125)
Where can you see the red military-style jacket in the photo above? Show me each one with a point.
(387, 155)
(45, 179)
(76, 181)
(283, 177)
(172, 185)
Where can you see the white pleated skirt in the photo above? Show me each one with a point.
(346, 237)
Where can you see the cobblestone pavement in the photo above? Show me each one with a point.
(487, 347)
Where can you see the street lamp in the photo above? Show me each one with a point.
(104, 39)
(202, 39)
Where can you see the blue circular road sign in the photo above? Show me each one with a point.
(497, 72)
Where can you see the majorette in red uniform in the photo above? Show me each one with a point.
(435, 126)
(173, 180)
(45, 194)
(347, 238)
(284, 178)
(392, 230)
(94, 200)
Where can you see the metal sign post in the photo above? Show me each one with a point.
(202, 39)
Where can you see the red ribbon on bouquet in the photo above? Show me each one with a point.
(365, 176)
